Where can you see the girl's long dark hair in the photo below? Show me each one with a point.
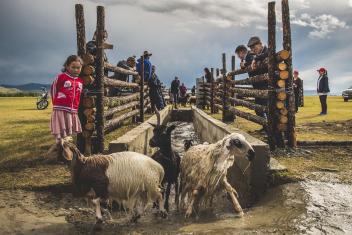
(69, 60)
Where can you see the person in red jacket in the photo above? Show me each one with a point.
(65, 94)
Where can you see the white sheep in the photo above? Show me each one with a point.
(129, 178)
(204, 169)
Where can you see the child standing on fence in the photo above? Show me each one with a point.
(66, 92)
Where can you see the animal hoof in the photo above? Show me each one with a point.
(240, 214)
(98, 226)
(135, 218)
(163, 214)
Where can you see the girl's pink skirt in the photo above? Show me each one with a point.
(64, 124)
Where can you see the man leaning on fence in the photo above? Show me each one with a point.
(128, 64)
(245, 56)
(260, 53)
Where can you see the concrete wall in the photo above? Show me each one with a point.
(137, 139)
(250, 185)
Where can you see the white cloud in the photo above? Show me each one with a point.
(322, 25)
(350, 3)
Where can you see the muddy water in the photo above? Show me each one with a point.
(309, 207)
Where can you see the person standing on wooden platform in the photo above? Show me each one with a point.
(297, 86)
(323, 89)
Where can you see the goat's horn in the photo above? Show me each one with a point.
(157, 116)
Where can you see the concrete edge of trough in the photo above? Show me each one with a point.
(137, 139)
(229, 129)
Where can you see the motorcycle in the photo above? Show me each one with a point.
(42, 100)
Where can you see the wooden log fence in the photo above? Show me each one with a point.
(276, 110)
(100, 113)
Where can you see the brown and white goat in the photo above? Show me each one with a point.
(204, 169)
(167, 157)
(129, 178)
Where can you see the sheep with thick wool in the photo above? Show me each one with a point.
(131, 179)
(204, 169)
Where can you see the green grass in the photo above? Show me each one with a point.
(24, 140)
(324, 128)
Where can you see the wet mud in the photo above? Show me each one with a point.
(319, 206)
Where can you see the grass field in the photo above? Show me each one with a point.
(25, 138)
(310, 125)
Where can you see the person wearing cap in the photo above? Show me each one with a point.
(155, 94)
(297, 86)
(323, 89)
(175, 88)
(260, 53)
(147, 66)
(244, 55)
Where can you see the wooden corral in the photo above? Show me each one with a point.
(99, 112)
(278, 115)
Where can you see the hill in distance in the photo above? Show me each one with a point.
(27, 87)
(5, 90)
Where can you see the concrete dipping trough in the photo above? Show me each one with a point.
(250, 185)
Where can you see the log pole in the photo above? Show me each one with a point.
(287, 45)
(141, 93)
(212, 91)
(81, 50)
(271, 73)
(233, 63)
(100, 79)
(224, 99)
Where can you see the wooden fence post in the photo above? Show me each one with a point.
(287, 45)
(224, 98)
(212, 91)
(272, 114)
(100, 79)
(233, 64)
(141, 98)
(301, 95)
(81, 50)
(233, 67)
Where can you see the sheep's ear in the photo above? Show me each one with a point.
(67, 152)
(170, 128)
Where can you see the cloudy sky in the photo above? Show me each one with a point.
(183, 35)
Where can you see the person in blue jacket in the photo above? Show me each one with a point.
(147, 66)
(323, 89)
